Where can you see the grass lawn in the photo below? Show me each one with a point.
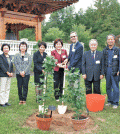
(12, 118)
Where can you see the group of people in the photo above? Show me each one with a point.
(92, 64)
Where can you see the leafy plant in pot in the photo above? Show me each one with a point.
(76, 97)
(43, 120)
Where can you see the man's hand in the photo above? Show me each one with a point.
(117, 73)
(101, 76)
(84, 76)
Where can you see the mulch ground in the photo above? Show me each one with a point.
(61, 123)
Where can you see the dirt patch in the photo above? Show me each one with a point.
(62, 123)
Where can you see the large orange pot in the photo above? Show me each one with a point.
(95, 102)
(43, 123)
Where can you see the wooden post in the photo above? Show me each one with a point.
(2, 27)
(39, 31)
(17, 35)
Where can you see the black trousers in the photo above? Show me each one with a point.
(96, 86)
(58, 83)
(22, 83)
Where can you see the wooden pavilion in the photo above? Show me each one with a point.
(16, 15)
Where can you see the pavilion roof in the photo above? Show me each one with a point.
(36, 7)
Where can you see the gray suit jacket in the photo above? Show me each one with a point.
(23, 65)
(92, 69)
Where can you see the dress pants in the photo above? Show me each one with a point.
(112, 87)
(96, 86)
(58, 83)
(4, 89)
(22, 83)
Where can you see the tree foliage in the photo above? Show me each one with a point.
(53, 33)
(93, 23)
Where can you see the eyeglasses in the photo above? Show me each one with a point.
(72, 37)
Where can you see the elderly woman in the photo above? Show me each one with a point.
(59, 54)
(22, 62)
(6, 72)
(38, 59)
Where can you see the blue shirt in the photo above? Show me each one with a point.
(110, 55)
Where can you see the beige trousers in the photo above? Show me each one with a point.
(4, 89)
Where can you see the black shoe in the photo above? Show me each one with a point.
(7, 104)
(3, 105)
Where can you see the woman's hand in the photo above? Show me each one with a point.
(22, 73)
(11, 74)
(43, 72)
(8, 74)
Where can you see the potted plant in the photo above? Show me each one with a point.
(76, 97)
(43, 120)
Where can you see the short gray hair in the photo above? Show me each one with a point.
(93, 41)
(110, 35)
(73, 32)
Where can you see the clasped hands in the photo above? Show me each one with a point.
(9, 74)
(22, 73)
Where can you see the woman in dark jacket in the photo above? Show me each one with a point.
(59, 54)
(38, 59)
(6, 72)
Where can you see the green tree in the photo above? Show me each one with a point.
(83, 34)
(28, 33)
(54, 33)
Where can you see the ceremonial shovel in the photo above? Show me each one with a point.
(61, 108)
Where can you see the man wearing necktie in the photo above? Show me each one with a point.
(76, 53)
(92, 68)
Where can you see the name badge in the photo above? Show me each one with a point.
(64, 56)
(25, 59)
(97, 62)
(115, 56)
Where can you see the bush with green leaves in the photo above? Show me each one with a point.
(75, 94)
(48, 64)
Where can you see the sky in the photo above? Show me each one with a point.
(84, 4)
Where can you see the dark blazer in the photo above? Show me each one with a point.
(38, 61)
(4, 66)
(89, 68)
(75, 57)
(60, 58)
(115, 60)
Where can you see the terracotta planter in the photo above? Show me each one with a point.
(79, 124)
(43, 123)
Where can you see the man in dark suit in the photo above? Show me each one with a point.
(112, 68)
(76, 53)
(92, 68)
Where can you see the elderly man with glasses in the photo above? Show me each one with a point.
(92, 68)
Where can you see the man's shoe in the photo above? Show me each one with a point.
(108, 104)
(115, 106)
(7, 104)
(3, 105)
